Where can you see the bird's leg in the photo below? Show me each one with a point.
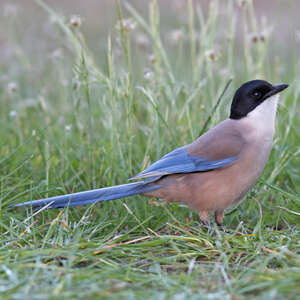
(219, 214)
(204, 215)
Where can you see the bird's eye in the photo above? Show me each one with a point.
(256, 94)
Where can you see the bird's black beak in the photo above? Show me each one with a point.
(276, 88)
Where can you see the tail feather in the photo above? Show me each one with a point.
(97, 195)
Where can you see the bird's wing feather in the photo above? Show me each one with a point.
(216, 149)
(179, 161)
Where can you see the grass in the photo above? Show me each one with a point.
(72, 121)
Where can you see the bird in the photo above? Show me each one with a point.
(210, 174)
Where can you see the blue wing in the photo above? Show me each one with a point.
(179, 161)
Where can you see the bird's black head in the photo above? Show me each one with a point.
(250, 95)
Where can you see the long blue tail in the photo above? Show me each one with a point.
(97, 195)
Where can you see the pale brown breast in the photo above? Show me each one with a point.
(218, 189)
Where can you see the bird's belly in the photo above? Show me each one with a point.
(214, 190)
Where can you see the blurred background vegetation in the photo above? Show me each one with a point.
(24, 24)
(91, 92)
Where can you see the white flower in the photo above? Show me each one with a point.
(266, 32)
(128, 25)
(211, 55)
(12, 113)
(149, 75)
(176, 35)
(75, 21)
(68, 128)
(152, 58)
(12, 87)
(254, 37)
(57, 53)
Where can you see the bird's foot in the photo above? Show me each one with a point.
(219, 218)
(204, 216)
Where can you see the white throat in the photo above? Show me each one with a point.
(266, 111)
(262, 118)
